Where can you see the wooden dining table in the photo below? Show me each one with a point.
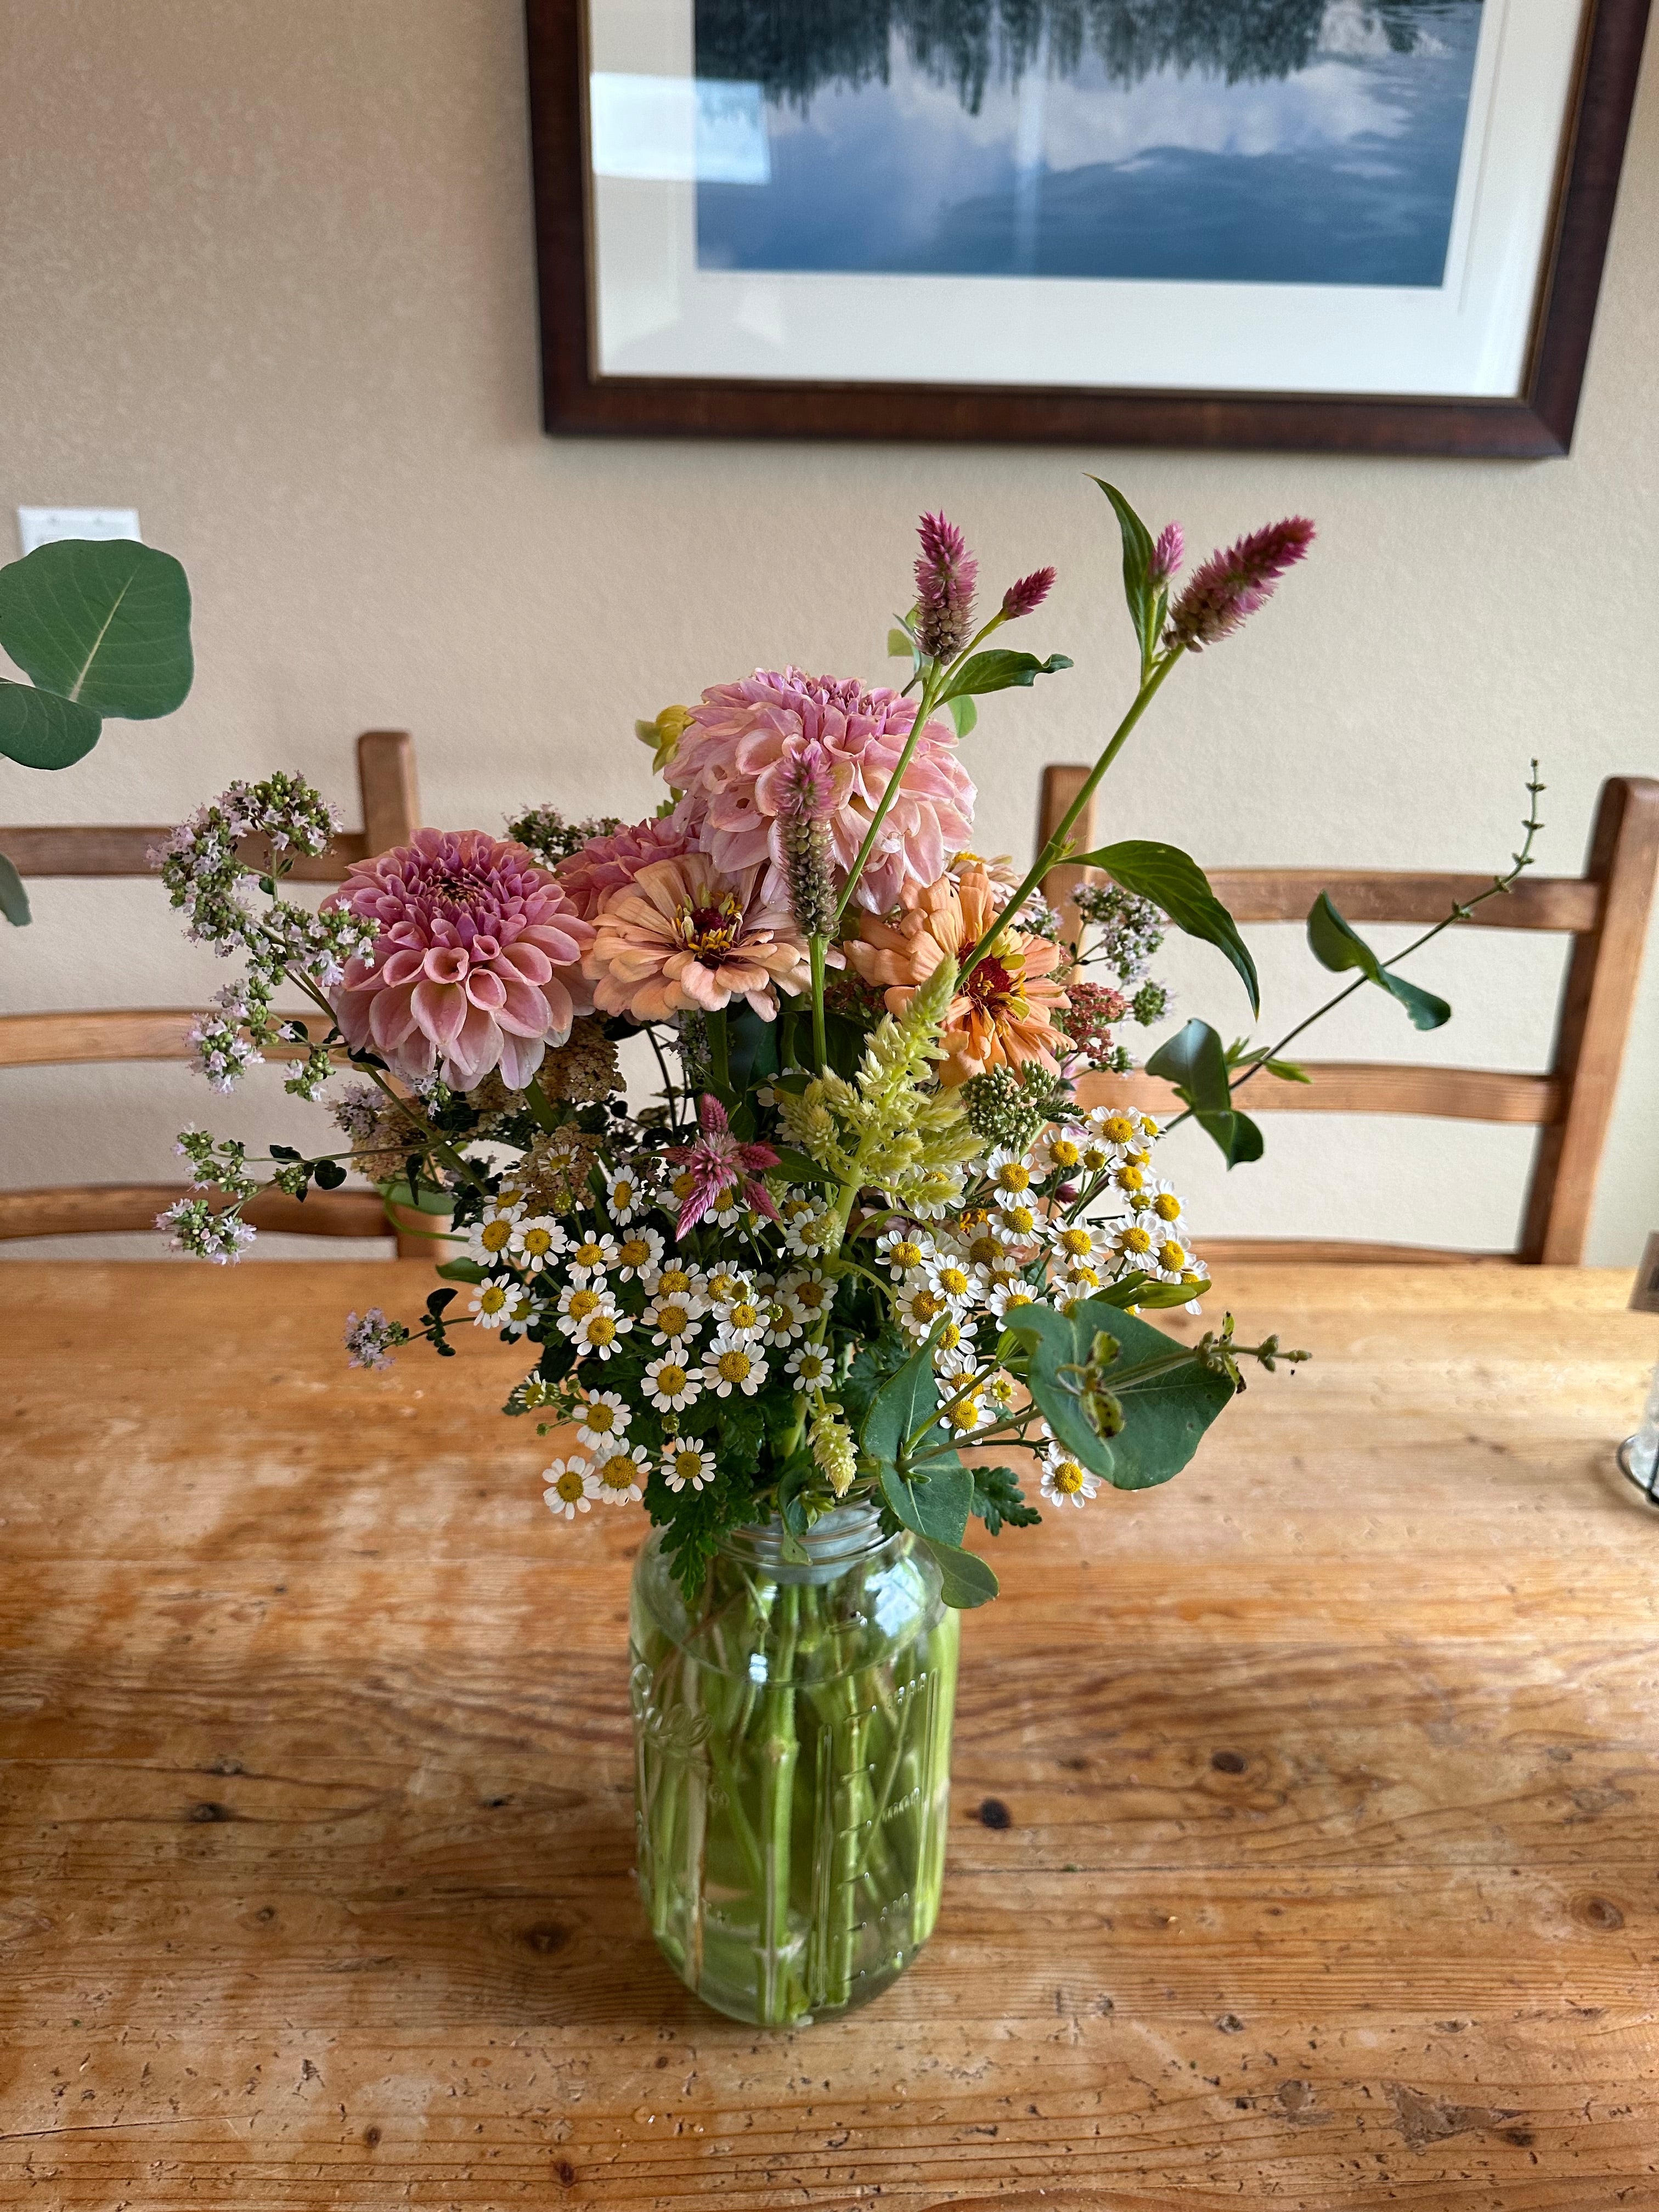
(1305, 1827)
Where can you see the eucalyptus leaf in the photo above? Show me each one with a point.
(1172, 879)
(39, 729)
(904, 1403)
(1001, 671)
(1164, 1418)
(104, 623)
(14, 899)
(934, 1502)
(966, 1581)
(1337, 946)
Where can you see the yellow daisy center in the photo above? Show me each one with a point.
(671, 1379)
(622, 1195)
(966, 1415)
(984, 1250)
(1094, 1158)
(673, 1321)
(492, 1299)
(734, 1366)
(673, 1283)
(723, 1288)
(1130, 1178)
(1118, 1128)
(1068, 1478)
(587, 1253)
(809, 1295)
(811, 1367)
(1064, 1153)
(907, 1254)
(1076, 1241)
(1018, 1298)
(601, 1420)
(745, 1314)
(925, 1306)
(1173, 1255)
(688, 1464)
(949, 1337)
(495, 1234)
(682, 1185)
(583, 1303)
(1021, 1219)
(1136, 1239)
(635, 1252)
(538, 1242)
(601, 1328)
(1013, 1174)
(569, 1486)
(1167, 1205)
(617, 1473)
(953, 1281)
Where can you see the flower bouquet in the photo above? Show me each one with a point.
(865, 1223)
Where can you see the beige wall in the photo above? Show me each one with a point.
(266, 272)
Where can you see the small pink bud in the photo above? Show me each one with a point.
(1230, 586)
(1168, 554)
(1025, 597)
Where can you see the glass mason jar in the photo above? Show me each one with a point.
(792, 1735)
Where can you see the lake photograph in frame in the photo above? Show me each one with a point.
(1253, 142)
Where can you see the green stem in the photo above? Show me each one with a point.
(816, 947)
(932, 685)
(1054, 853)
(719, 1051)
(780, 1751)
(852, 1812)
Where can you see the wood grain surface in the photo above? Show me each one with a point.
(1305, 1815)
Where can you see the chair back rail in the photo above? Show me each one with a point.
(1605, 911)
(389, 795)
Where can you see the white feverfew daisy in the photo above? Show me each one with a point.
(604, 1415)
(638, 1251)
(1010, 1172)
(571, 1488)
(1007, 1296)
(782, 1324)
(953, 1279)
(726, 1285)
(731, 1366)
(905, 1250)
(1116, 1125)
(1060, 1150)
(672, 1319)
(1078, 1242)
(599, 1336)
(622, 1195)
(1001, 1392)
(811, 1367)
(969, 1411)
(1162, 1199)
(670, 1386)
(494, 1303)
(591, 1252)
(1135, 1241)
(744, 1320)
(955, 1336)
(1017, 1222)
(809, 1292)
(675, 1280)
(580, 1299)
(811, 1233)
(536, 1243)
(1171, 1258)
(685, 1465)
(488, 1241)
(921, 1306)
(1065, 1481)
(621, 1477)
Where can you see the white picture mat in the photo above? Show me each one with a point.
(656, 313)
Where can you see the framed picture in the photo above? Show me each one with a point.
(1363, 224)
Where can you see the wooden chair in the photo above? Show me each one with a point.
(1605, 911)
(391, 810)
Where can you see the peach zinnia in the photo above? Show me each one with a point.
(1001, 1015)
(683, 937)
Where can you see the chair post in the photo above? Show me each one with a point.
(386, 780)
(1597, 1002)
(1060, 786)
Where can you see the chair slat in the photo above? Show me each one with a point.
(392, 800)
(1217, 1252)
(92, 1209)
(1566, 904)
(126, 1033)
(1358, 1086)
(101, 848)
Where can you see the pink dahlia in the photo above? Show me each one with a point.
(603, 864)
(476, 964)
(736, 765)
(681, 938)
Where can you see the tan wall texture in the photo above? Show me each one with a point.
(267, 273)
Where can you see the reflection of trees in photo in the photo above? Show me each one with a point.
(794, 48)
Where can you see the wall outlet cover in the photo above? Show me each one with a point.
(45, 526)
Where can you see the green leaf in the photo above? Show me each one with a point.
(751, 1046)
(1143, 1290)
(460, 1271)
(103, 622)
(799, 1167)
(430, 1200)
(1195, 1063)
(41, 730)
(963, 714)
(1000, 671)
(900, 646)
(1143, 601)
(905, 1401)
(966, 1581)
(934, 1502)
(1173, 880)
(14, 899)
(1163, 1418)
(999, 1502)
(1336, 946)
(328, 1175)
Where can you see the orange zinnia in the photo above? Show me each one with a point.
(1001, 1017)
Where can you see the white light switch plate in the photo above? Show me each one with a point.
(45, 526)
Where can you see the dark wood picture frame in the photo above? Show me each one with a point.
(1538, 425)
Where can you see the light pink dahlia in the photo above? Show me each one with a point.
(603, 864)
(477, 963)
(735, 765)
